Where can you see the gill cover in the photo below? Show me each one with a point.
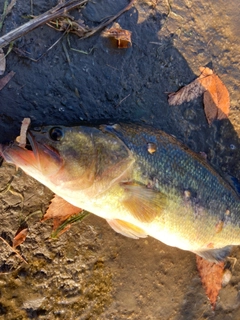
(82, 157)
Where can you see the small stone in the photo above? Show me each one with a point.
(227, 275)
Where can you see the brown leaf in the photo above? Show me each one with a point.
(186, 93)
(216, 98)
(215, 95)
(211, 275)
(4, 81)
(59, 210)
(20, 237)
(122, 36)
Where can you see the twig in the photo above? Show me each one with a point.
(31, 5)
(14, 250)
(123, 100)
(54, 13)
(10, 6)
(9, 187)
(58, 11)
(104, 24)
(4, 13)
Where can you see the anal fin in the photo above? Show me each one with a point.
(215, 255)
(127, 229)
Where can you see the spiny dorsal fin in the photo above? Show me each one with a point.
(144, 204)
(127, 229)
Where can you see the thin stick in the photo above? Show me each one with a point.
(14, 250)
(54, 13)
(10, 6)
(104, 24)
(4, 13)
(123, 100)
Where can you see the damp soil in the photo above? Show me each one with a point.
(91, 272)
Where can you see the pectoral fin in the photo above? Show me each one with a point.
(215, 255)
(127, 229)
(144, 204)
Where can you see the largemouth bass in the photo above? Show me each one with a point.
(141, 180)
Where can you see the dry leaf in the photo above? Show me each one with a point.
(23, 133)
(186, 93)
(2, 62)
(122, 36)
(20, 237)
(216, 98)
(59, 210)
(215, 95)
(6, 79)
(211, 275)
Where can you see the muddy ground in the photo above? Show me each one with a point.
(91, 272)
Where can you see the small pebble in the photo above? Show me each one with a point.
(227, 275)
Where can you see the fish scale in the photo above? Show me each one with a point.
(177, 169)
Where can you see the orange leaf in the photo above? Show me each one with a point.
(20, 237)
(122, 36)
(211, 275)
(216, 98)
(215, 95)
(59, 210)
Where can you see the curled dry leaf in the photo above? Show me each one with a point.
(211, 275)
(20, 237)
(215, 95)
(59, 210)
(23, 132)
(187, 93)
(122, 36)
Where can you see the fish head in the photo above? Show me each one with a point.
(69, 157)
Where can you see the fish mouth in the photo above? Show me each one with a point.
(18, 155)
(36, 156)
(47, 158)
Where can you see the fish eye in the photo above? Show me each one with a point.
(56, 134)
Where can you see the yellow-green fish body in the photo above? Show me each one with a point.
(141, 180)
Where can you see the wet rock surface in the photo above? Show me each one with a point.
(91, 272)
